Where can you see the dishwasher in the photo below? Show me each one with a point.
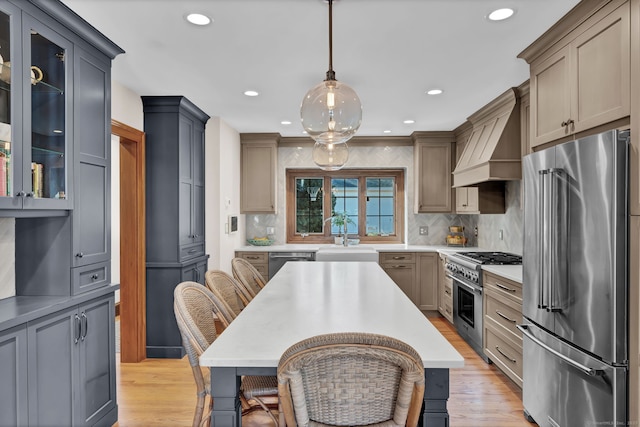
(278, 259)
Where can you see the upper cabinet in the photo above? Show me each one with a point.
(433, 156)
(35, 127)
(580, 72)
(258, 172)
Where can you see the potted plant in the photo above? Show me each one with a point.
(341, 220)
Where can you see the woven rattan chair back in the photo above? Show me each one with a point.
(247, 274)
(196, 308)
(351, 379)
(227, 289)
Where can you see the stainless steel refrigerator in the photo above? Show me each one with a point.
(575, 282)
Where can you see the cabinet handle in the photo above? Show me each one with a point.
(447, 292)
(507, 357)
(569, 122)
(94, 277)
(84, 326)
(29, 194)
(505, 317)
(505, 288)
(398, 266)
(20, 194)
(253, 257)
(77, 329)
(398, 257)
(193, 251)
(563, 124)
(197, 276)
(447, 310)
(79, 255)
(464, 205)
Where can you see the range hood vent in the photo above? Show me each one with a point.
(492, 152)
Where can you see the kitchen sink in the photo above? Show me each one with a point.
(347, 253)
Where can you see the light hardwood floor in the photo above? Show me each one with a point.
(161, 392)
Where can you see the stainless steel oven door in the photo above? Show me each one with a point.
(467, 313)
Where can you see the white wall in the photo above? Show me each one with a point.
(222, 186)
(126, 106)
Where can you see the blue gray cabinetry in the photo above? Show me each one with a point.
(13, 377)
(71, 358)
(175, 246)
(57, 334)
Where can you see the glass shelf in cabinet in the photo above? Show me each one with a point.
(48, 151)
(44, 87)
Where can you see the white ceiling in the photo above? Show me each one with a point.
(389, 51)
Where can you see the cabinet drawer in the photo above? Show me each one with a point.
(504, 313)
(448, 311)
(397, 257)
(191, 251)
(506, 356)
(90, 277)
(254, 257)
(263, 269)
(503, 286)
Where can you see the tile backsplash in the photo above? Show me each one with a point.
(361, 157)
(489, 226)
(7, 255)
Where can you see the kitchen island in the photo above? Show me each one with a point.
(310, 298)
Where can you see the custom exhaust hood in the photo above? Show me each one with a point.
(492, 152)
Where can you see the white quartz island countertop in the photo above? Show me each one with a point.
(311, 298)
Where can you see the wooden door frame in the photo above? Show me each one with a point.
(133, 327)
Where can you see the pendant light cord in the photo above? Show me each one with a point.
(331, 75)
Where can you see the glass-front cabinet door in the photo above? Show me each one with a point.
(46, 150)
(10, 94)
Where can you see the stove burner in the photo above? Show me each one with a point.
(498, 258)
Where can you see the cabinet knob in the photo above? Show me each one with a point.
(29, 194)
(79, 255)
(20, 194)
(94, 277)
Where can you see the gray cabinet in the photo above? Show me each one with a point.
(92, 127)
(71, 356)
(13, 377)
(57, 340)
(175, 245)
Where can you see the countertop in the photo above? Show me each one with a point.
(312, 298)
(379, 248)
(511, 272)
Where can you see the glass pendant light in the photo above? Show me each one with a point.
(331, 114)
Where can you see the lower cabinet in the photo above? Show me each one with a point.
(60, 370)
(427, 278)
(502, 312)
(416, 274)
(445, 290)
(163, 336)
(13, 377)
(401, 267)
(260, 260)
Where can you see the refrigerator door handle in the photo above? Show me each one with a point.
(555, 229)
(542, 240)
(585, 369)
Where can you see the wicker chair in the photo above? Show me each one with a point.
(247, 274)
(195, 308)
(352, 379)
(227, 290)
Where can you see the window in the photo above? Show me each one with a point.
(373, 200)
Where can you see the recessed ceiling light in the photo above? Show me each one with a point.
(500, 14)
(386, 131)
(285, 122)
(434, 92)
(251, 93)
(198, 19)
(409, 122)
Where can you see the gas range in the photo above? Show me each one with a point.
(467, 265)
(464, 268)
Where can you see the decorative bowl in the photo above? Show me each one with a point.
(260, 242)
